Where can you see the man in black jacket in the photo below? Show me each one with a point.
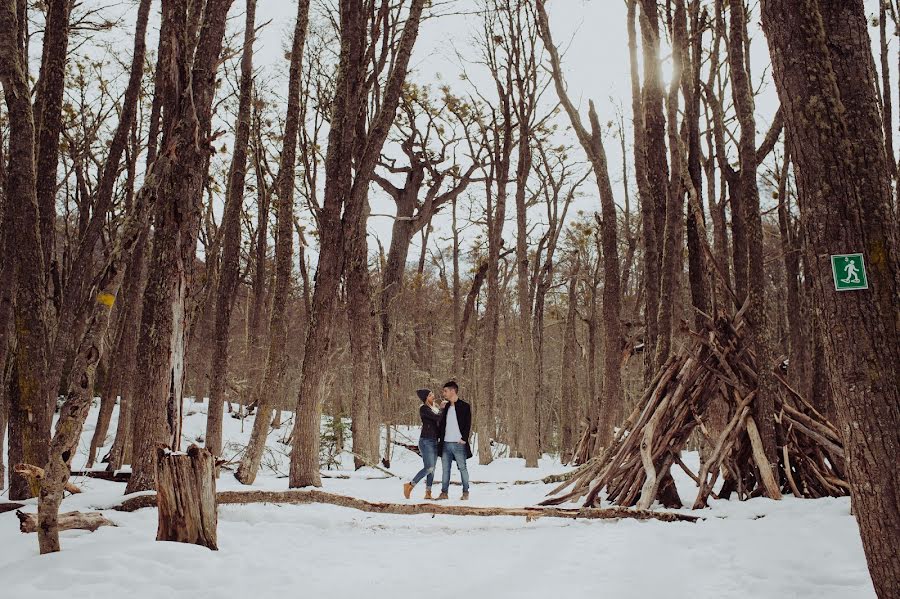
(453, 438)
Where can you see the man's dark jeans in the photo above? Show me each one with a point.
(454, 452)
(428, 447)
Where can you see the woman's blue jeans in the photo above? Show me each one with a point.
(428, 447)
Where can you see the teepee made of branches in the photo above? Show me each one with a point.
(716, 364)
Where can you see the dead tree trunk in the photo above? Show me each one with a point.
(823, 71)
(231, 233)
(68, 521)
(186, 497)
(271, 387)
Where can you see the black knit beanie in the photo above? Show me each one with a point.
(423, 394)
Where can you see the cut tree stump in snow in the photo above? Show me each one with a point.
(68, 521)
(296, 496)
(186, 496)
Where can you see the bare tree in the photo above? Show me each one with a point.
(343, 206)
(29, 420)
(764, 402)
(592, 143)
(176, 182)
(231, 233)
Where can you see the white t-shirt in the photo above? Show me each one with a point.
(452, 434)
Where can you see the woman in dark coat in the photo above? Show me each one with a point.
(428, 440)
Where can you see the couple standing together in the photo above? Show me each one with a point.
(445, 432)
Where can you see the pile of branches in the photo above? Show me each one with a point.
(717, 365)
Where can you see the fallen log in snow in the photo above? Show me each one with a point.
(314, 496)
(68, 521)
(117, 477)
(8, 507)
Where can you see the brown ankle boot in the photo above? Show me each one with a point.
(407, 489)
(465, 496)
(442, 496)
(428, 494)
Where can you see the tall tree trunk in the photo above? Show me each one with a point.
(645, 199)
(362, 327)
(48, 119)
(231, 233)
(674, 222)
(695, 226)
(123, 326)
(592, 143)
(568, 392)
(7, 306)
(347, 190)
(132, 292)
(495, 220)
(824, 75)
(760, 330)
(135, 283)
(457, 298)
(28, 408)
(530, 413)
(258, 291)
(654, 133)
(176, 183)
(272, 386)
(798, 359)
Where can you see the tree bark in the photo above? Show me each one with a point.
(822, 61)
(695, 222)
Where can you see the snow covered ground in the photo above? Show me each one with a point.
(756, 549)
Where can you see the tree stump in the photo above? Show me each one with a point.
(186, 496)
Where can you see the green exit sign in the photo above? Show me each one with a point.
(849, 272)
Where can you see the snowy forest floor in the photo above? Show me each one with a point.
(759, 548)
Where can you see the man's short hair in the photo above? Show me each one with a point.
(452, 385)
